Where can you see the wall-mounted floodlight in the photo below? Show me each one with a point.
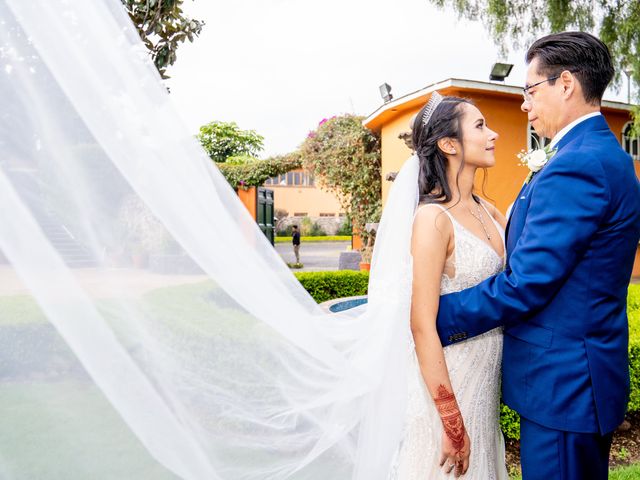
(385, 92)
(500, 71)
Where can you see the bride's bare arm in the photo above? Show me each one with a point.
(432, 232)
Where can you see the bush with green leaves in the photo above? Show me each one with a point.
(254, 174)
(315, 230)
(345, 227)
(309, 228)
(325, 286)
(241, 160)
(285, 232)
(633, 311)
(345, 156)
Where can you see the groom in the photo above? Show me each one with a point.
(571, 240)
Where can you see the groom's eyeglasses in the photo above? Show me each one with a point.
(525, 90)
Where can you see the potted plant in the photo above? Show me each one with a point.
(139, 255)
(365, 258)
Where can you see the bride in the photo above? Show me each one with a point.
(212, 362)
(452, 424)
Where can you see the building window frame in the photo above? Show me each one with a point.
(531, 135)
(294, 178)
(631, 145)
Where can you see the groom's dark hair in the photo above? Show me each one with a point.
(584, 55)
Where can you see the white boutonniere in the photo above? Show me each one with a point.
(535, 159)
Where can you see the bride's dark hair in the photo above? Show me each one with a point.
(444, 123)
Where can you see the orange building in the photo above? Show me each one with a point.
(298, 193)
(500, 104)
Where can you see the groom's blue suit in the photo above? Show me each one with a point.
(571, 241)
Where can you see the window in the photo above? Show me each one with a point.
(629, 143)
(300, 214)
(533, 139)
(327, 214)
(294, 178)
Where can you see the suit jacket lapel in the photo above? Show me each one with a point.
(513, 211)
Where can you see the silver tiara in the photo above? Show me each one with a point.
(432, 104)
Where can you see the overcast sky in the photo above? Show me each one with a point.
(280, 66)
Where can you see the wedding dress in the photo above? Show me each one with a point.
(474, 371)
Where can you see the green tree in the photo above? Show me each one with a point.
(345, 156)
(162, 26)
(222, 140)
(518, 22)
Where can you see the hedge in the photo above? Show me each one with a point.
(254, 174)
(325, 286)
(320, 238)
(633, 311)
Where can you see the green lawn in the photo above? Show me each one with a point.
(631, 472)
(46, 433)
(47, 422)
(20, 310)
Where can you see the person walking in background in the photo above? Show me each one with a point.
(295, 239)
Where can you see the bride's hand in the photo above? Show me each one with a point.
(454, 459)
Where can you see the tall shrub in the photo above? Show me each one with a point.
(345, 156)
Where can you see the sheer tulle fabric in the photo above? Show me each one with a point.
(147, 328)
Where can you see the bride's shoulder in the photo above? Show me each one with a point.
(429, 215)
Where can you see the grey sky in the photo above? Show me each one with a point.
(280, 66)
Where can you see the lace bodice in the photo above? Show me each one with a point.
(474, 371)
(473, 259)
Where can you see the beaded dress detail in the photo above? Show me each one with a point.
(474, 370)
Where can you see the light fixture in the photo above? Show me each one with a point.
(385, 92)
(628, 71)
(500, 71)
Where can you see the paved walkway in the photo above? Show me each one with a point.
(315, 256)
(97, 282)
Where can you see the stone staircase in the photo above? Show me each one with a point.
(71, 251)
(28, 186)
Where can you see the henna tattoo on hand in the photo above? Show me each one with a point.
(451, 417)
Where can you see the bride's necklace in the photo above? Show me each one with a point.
(480, 218)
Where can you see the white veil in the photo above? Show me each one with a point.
(211, 362)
